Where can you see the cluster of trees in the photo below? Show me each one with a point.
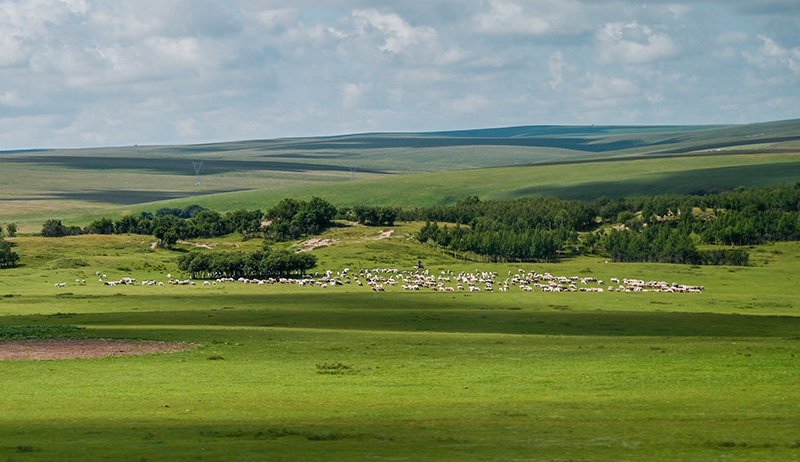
(8, 258)
(497, 243)
(665, 228)
(167, 225)
(291, 218)
(370, 215)
(664, 244)
(523, 214)
(264, 263)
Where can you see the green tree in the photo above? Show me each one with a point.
(101, 226)
(8, 258)
(167, 237)
(53, 228)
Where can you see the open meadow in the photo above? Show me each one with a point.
(285, 372)
(321, 371)
(408, 170)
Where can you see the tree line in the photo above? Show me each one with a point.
(289, 219)
(665, 228)
(263, 263)
(168, 225)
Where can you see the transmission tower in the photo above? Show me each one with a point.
(352, 169)
(197, 166)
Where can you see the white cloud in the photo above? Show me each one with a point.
(604, 90)
(150, 71)
(556, 65)
(771, 53)
(679, 10)
(533, 18)
(12, 99)
(398, 35)
(632, 43)
(277, 19)
(351, 95)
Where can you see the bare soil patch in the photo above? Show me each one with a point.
(85, 348)
(317, 242)
(311, 244)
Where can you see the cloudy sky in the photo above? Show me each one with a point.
(79, 73)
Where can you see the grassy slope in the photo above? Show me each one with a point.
(586, 180)
(434, 376)
(73, 184)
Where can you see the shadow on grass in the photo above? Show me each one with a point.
(176, 165)
(359, 313)
(714, 180)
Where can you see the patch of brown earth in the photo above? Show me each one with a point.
(315, 243)
(85, 348)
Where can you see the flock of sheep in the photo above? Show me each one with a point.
(381, 279)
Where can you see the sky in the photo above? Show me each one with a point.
(84, 73)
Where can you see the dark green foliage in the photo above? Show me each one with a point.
(187, 212)
(655, 228)
(169, 225)
(246, 222)
(373, 215)
(8, 258)
(658, 243)
(37, 332)
(495, 241)
(133, 224)
(292, 218)
(53, 228)
(662, 228)
(101, 226)
(208, 223)
(531, 212)
(261, 264)
(167, 237)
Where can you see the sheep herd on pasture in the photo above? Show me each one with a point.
(383, 279)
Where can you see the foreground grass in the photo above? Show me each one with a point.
(289, 373)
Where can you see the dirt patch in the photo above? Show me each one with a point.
(311, 244)
(382, 235)
(85, 348)
(317, 242)
(197, 244)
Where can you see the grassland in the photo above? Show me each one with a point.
(299, 373)
(397, 169)
(304, 373)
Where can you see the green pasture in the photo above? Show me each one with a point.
(404, 169)
(344, 373)
(705, 173)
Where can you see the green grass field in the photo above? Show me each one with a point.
(397, 169)
(344, 373)
(304, 373)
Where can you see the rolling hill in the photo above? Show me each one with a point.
(407, 169)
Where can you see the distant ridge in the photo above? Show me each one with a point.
(404, 169)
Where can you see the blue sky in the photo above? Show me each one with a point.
(80, 73)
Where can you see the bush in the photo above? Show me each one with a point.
(8, 258)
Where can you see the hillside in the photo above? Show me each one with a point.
(400, 168)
